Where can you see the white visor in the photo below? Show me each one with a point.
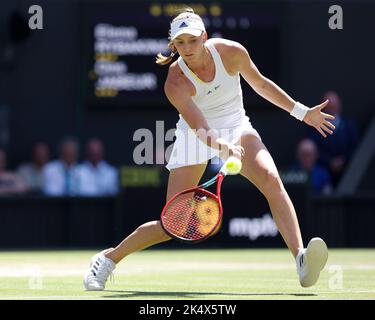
(191, 26)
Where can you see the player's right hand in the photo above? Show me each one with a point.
(236, 151)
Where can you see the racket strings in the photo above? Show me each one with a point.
(192, 216)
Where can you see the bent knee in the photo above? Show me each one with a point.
(162, 234)
(271, 183)
(155, 228)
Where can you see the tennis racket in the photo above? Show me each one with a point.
(195, 214)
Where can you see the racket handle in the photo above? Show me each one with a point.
(224, 171)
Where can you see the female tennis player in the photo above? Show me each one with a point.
(204, 86)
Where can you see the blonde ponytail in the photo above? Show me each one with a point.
(163, 60)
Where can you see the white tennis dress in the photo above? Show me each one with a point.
(221, 103)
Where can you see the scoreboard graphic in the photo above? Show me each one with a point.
(121, 40)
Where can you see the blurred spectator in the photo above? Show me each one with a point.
(336, 150)
(60, 177)
(307, 155)
(10, 183)
(96, 176)
(32, 172)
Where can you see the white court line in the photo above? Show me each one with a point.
(53, 270)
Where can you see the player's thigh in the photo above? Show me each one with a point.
(184, 178)
(258, 166)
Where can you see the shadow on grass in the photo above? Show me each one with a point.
(135, 294)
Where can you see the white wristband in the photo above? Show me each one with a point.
(299, 111)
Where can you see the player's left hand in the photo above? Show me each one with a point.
(319, 120)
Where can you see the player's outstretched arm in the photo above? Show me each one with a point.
(273, 93)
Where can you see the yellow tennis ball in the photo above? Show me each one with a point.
(233, 165)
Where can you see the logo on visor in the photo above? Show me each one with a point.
(183, 25)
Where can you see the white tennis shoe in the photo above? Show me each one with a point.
(100, 269)
(311, 261)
